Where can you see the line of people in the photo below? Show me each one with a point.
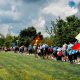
(64, 53)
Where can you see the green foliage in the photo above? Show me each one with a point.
(48, 40)
(2, 39)
(26, 36)
(29, 32)
(66, 30)
(8, 40)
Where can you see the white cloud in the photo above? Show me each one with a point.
(5, 29)
(70, 11)
(77, 1)
(60, 9)
(2, 2)
(40, 24)
(13, 13)
(13, 34)
(10, 10)
(45, 34)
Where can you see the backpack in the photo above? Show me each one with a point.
(59, 53)
(50, 50)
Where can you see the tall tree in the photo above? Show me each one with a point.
(26, 36)
(2, 39)
(8, 40)
(66, 30)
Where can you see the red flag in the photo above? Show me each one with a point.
(76, 46)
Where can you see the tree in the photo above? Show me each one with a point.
(2, 39)
(65, 30)
(29, 32)
(48, 41)
(8, 40)
(51, 30)
(26, 36)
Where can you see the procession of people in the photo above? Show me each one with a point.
(64, 53)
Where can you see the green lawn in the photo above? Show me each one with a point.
(25, 67)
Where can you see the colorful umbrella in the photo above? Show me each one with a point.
(76, 46)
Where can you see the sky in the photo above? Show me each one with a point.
(16, 15)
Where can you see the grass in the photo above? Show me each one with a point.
(26, 67)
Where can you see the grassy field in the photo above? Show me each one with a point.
(26, 67)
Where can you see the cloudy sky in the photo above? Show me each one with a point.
(16, 15)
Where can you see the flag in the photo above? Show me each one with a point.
(76, 46)
(78, 37)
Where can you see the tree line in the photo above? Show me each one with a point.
(62, 31)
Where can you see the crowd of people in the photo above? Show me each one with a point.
(63, 53)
